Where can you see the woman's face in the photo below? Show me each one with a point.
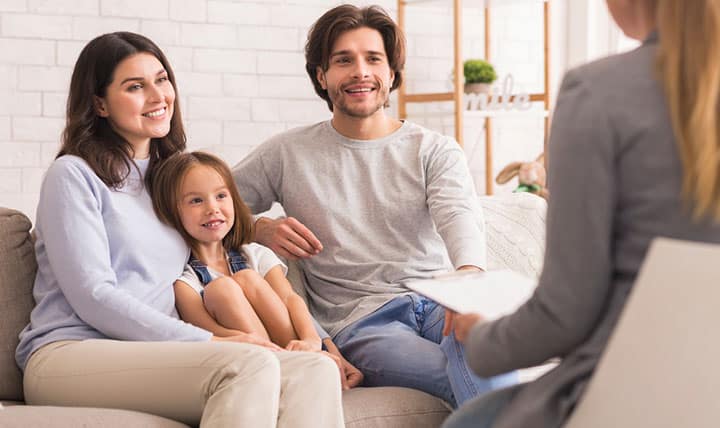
(139, 101)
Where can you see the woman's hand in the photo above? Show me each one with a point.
(463, 323)
(252, 339)
(304, 345)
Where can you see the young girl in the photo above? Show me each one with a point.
(229, 283)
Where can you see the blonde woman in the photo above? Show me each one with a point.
(634, 154)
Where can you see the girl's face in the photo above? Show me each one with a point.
(206, 206)
(139, 101)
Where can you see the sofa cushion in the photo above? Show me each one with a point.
(390, 406)
(63, 417)
(17, 274)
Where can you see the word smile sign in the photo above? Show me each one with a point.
(499, 98)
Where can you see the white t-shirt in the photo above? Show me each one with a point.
(258, 257)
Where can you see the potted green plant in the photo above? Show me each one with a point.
(479, 75)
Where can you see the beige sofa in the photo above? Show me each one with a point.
(515, 226)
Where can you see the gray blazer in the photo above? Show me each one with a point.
(615, 179)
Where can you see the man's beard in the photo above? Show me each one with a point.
(339, 101)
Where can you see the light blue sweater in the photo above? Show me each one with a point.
(106, 264)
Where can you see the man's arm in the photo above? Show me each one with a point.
(454, 207)
(258, 179)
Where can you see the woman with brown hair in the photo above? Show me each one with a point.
(105, 331)
(634, 154)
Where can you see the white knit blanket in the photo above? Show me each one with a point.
(515, 225)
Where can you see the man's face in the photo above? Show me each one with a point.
(358, 77)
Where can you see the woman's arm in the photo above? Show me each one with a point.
(298, 310)
(72, 230)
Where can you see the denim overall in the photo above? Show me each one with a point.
(235, 259)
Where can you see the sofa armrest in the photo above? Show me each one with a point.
(515, 228)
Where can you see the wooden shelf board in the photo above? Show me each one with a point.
(426, 98)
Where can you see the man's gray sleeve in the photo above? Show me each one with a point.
(454, 207)
(253, 181)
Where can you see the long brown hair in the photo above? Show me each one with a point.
(165, 192)
(689, 67)
(90, 136)
(328, 28)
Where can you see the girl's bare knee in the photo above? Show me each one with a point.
(221, 290)
(248, 279)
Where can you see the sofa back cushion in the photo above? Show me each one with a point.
(17, 275)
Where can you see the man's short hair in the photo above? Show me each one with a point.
(328, 28)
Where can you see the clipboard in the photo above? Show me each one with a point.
(491, 294)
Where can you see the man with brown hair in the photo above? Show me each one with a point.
(373, 202)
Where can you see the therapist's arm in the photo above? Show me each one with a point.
(574, 285)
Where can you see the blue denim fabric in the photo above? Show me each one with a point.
(235, 259)
(401, 344)
(482, 411)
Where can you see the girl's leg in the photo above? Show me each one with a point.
(226, 302)
(214, 384)
(268, 305)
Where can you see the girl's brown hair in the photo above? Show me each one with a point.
(689, 67)
(90, 136)
(165, 192)
(328, 28)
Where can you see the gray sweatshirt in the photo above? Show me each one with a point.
(385, 210)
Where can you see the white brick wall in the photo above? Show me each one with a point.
(240, 70)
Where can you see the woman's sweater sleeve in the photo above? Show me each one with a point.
(78, 251)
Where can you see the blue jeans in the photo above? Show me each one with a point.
(481, 412)
(401, 344)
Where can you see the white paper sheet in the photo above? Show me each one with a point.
(491, 294)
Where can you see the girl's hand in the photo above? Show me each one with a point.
(462, 324)
(303, 345)
(241, 337)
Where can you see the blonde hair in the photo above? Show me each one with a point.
(689, 67)
(165, 193)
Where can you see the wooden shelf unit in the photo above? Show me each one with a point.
(457, 94)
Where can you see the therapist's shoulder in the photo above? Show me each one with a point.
(615, 74)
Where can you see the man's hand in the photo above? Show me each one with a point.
(287, 237)
(350, 375)
(463, 323)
